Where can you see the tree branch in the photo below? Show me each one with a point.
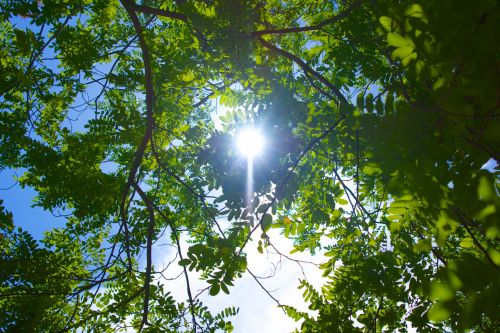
(148, 78)
(115, 63)
(172, 15)
(374, 325)
(318, 26)
(36, 54)
(149, 253)
(464, 223)
(150, 204)
(265, 289)
(158, 12)
(306, 68)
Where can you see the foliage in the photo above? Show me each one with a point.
(379, 116)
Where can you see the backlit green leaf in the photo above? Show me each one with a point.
(438, 312)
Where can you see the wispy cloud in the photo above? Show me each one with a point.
(258, 312)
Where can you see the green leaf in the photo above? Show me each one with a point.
(467, 242)
(262, 208)
(342, 201)
(406, 61)
(214, 290)
(386, 23)
(415, 10)
(267, 221)
(379, 106)
(397, 210)
(485, 190)
(22, 41)
(441, 291)
(184, 262)
(402, 52)
(369, 102)
(438, 312)
(397, 40)
(494, 255)
(360, 101)
(423, 245)
(188, 76)
(371, 169)
(224, 288)
(389, 103)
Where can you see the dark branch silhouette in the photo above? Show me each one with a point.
(318, 26)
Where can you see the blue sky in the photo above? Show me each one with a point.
(20, 202)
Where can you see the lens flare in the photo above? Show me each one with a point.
(250, 142)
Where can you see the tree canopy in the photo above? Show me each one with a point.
(378, 117)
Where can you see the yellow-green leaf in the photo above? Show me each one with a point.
(401, 52)
(188, 76)
(397, 40)
(467, 242)
(415, 10)
(441, 291)
(438, 312)
(486, 211)
(423, 245)
(397, 210)
(494, 255)
(485, 190)
(371, 169)
(408, 59)
(386, 23)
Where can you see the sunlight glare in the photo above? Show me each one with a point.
(250, 142)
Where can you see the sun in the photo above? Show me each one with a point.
(250, 142)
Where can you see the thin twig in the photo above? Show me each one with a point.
(374, 325)
(150, 204)
(318, 26)
(306, 68)
(464, 223)
(287, 178)
(44, 46)
(201, 198)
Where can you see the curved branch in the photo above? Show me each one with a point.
(172, 15)
(36, 54)
(465, 223)
(149, 253)
(148, 78)
(265, 289)
(306, 68)
(158, 12)
(150, 206)
(318, 26)
(115, 63)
